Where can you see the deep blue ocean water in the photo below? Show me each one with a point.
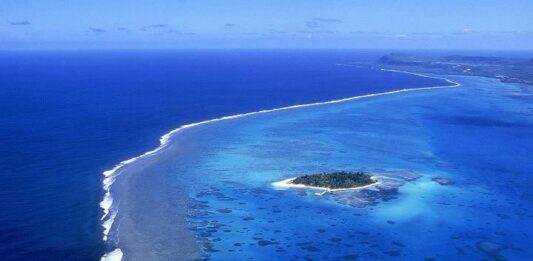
(67, 116)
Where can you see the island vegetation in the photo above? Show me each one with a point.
(335, 180)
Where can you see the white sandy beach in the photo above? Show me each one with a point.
(287, 183)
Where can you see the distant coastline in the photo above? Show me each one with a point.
(506, 69)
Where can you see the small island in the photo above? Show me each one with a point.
(332, 181)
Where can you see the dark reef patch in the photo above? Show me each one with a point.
(443, 181)
(479, 121)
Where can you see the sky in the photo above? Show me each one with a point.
(157, 24)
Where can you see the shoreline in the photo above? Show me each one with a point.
(110, 209)
(287, 183)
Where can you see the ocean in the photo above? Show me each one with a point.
(68, 116)
(454, 165)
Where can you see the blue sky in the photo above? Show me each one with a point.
(399, 24)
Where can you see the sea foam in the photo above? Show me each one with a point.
(110, 208)
(115, 255)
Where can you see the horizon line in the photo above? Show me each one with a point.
(256, 48)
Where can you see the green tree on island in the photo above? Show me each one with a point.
(335, 180)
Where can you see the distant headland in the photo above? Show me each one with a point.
(507, 69)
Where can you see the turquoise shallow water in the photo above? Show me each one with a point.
(478, 136)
